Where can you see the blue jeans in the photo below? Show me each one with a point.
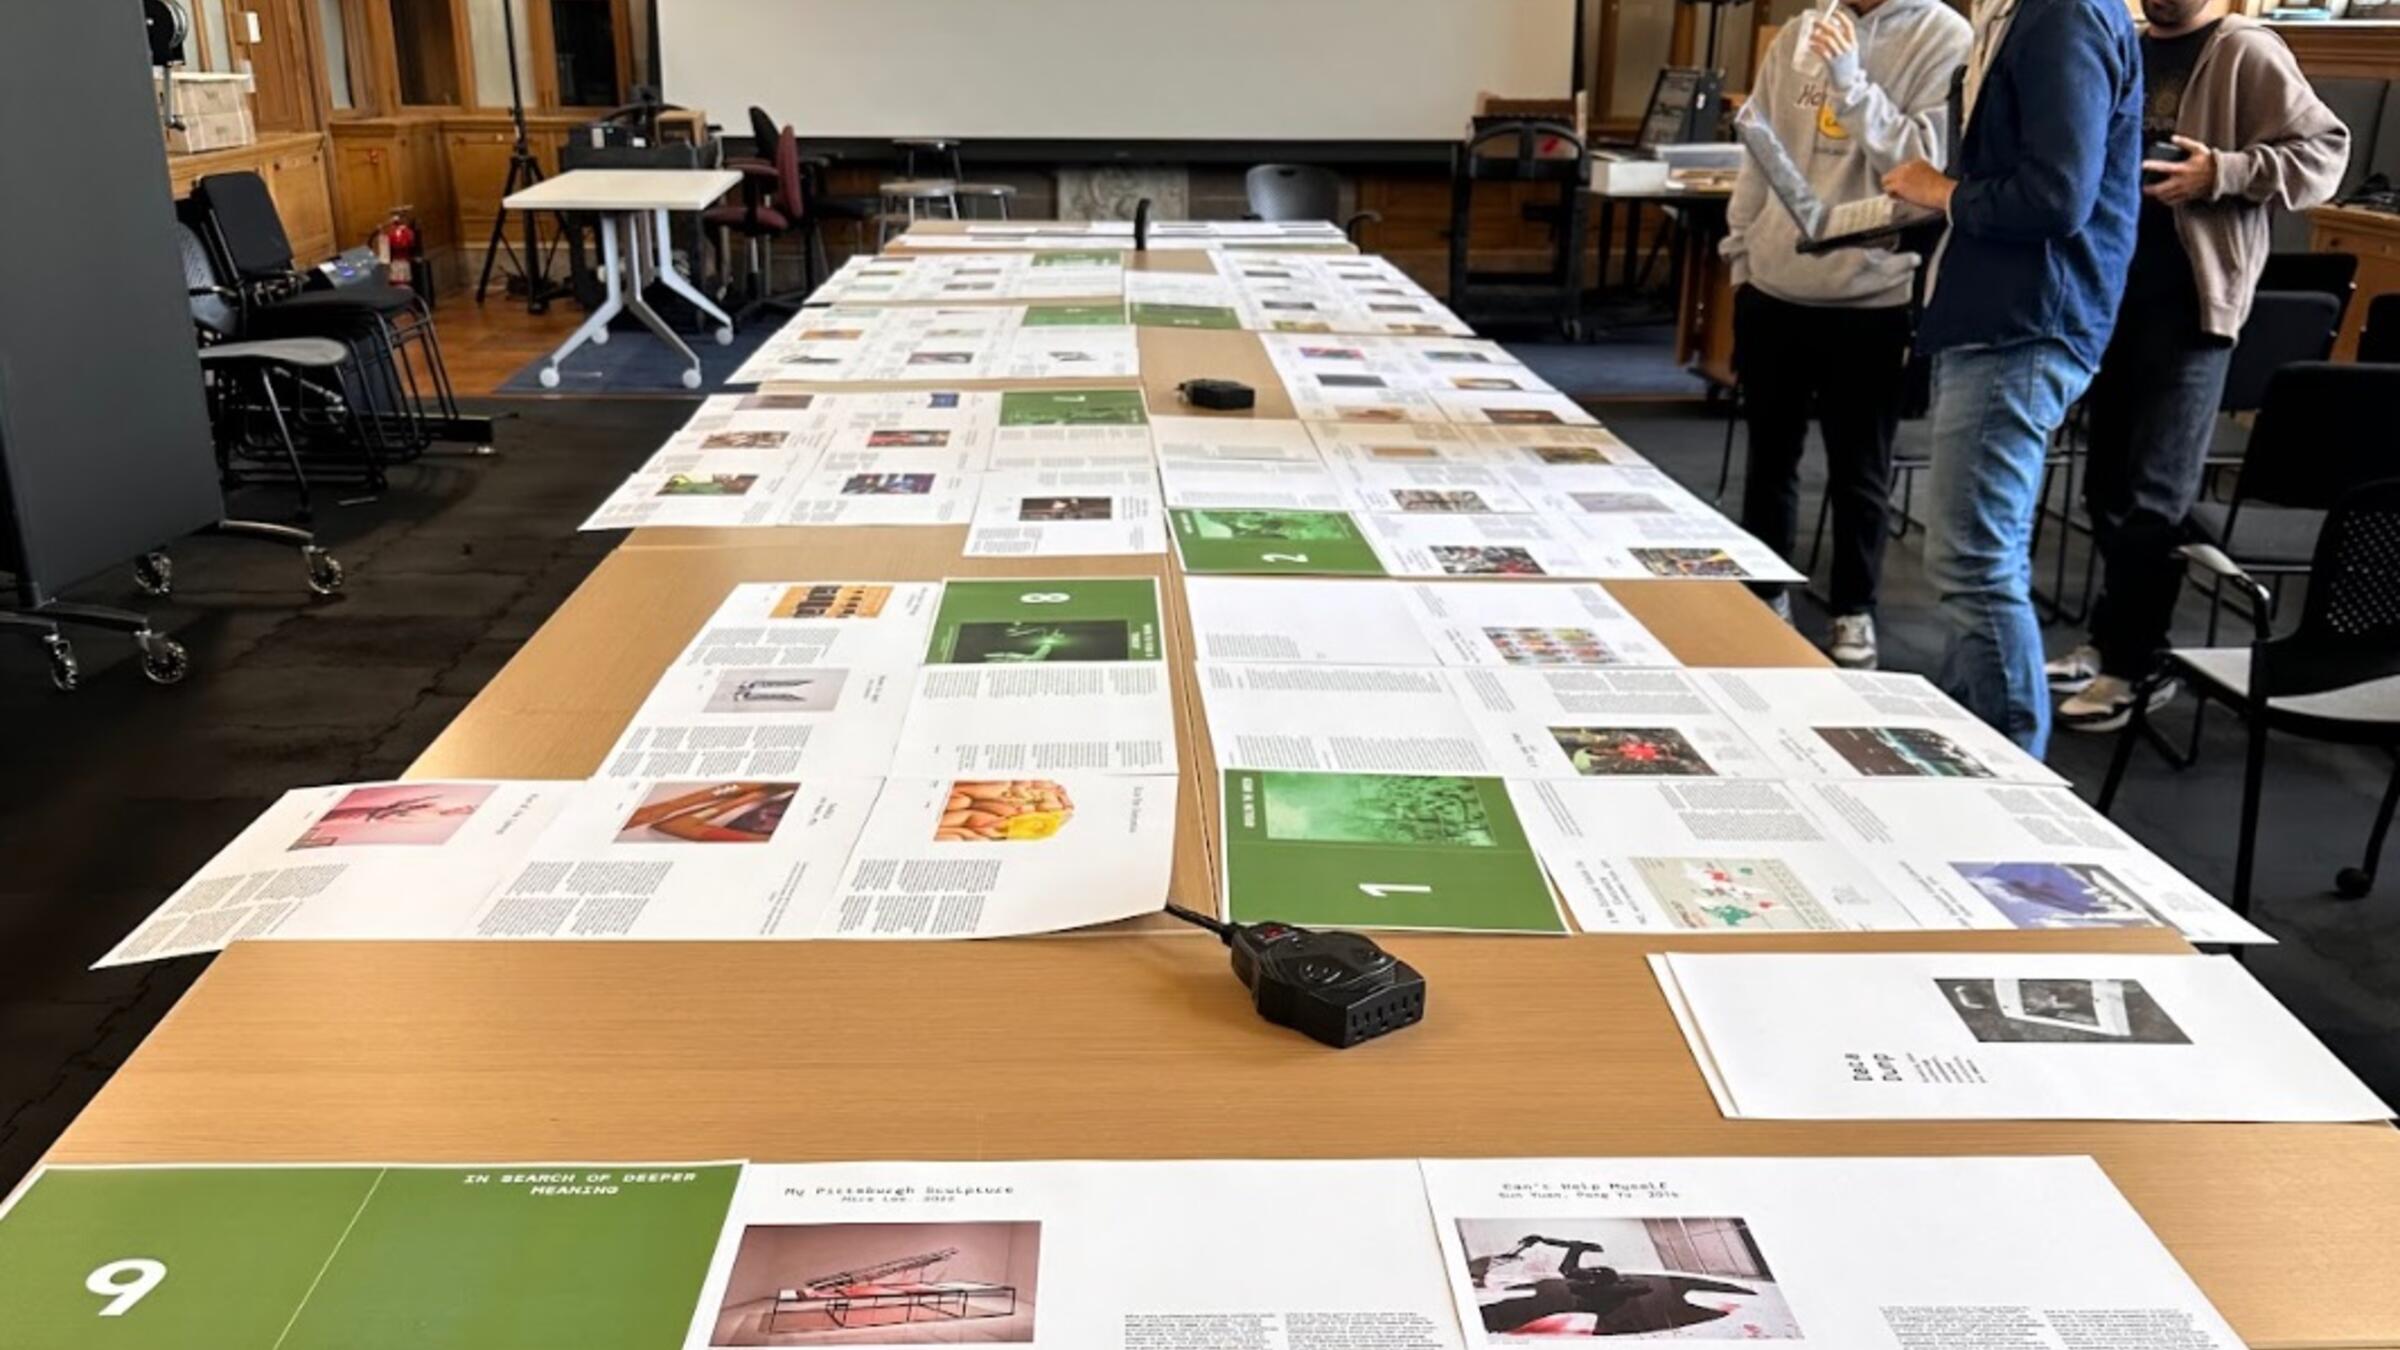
(1994, 410)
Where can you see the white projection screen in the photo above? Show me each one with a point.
(1260, 70)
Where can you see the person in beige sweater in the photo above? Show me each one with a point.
(2249, 135)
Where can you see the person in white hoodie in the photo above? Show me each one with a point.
(1829, 333)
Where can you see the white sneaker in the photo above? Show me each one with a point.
(2070, 673)
(2106, 704)
(1782, 605)
(1854, 641)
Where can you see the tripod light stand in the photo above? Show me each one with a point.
(523, 172)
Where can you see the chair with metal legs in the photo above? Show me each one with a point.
(2335, 678)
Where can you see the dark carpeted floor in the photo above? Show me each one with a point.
(113, 796)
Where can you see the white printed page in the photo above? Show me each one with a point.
(817, 623)
(734, 487)
(683, 860)
(1687, 548)
(1068, 513)
(1356, 446)
(1068, 352)
(1303, 621)
(1431, 490)
(763, 410)
(1049, 718)
(1475, 546)
(1264, 485)
(1232, 440)
(879, 497)
(1656, 505)
(935, 444)
(1867, 724)
(1080, 1254)
(1573, 723)
(1706, 855)
(1840, 1253)
(774, 722)
(2007, 1037)
(1554, 447)
(960, 858)
(1994, 855)
(1507, 409)
(1477, 623)
(366, 860)
(1340, 719)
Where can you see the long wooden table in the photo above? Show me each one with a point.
(1069, 1048)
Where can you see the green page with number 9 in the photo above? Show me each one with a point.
(1362, 850)
(358, 1258)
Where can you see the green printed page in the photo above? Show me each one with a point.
(1342, 850)
(1185, 316)
(1077, 258)
(1301, 543)
(1047, 619)
(1074, 316)
(1073, 408)
(359, 1258)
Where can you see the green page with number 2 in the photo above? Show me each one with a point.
(570, 1257)
(1267, 541)
(1362, 850)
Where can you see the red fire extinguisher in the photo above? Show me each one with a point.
(400, 247)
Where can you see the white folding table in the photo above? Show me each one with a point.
(635, 201)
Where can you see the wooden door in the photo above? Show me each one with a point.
(285, 96)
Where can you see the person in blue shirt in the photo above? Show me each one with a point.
(2042, 210)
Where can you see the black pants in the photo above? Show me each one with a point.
(1847, 368)
(2153, 413)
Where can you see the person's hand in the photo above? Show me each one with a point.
(1834, 39)
(1920, 184)
(2193, 180)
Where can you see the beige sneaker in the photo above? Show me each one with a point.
(1853, 646)
(2070, 673)
(2106, 704)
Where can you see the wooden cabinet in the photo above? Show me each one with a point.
(384, 163)
(2374, 237)
(478, 146)
(293, 165)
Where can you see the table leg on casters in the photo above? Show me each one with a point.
(640, 308)
(675, 281)
(595, 328)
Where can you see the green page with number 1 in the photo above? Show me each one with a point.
(565, 1257)
(1363, 850)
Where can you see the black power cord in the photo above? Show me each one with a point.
(1338, 988)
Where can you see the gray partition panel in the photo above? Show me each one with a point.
(104, 436)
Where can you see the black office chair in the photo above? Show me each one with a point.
(2283, 327)
(250, 383)
(2322, 429)
(391, 327)
(2379, 340)
(1302, 192)
(2334, 274)
(2335, 678)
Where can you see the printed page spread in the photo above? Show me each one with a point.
(1912, 1036)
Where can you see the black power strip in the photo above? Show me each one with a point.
(1338, 988)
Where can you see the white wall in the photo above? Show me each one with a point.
(1113, 69)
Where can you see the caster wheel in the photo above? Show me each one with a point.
(154, 573)
(691, 379)
(2352, 883)
(164, 661)
(324, 571)
(549, 377)
(600, 339)
(724, 337)
(65, 673)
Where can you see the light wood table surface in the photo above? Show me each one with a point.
(1071, 1048)
(1057, 1048)
(555, 709)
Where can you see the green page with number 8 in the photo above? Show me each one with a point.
(1037, 619)
(359, 1258)
(1363, 850)
(1262, 541)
